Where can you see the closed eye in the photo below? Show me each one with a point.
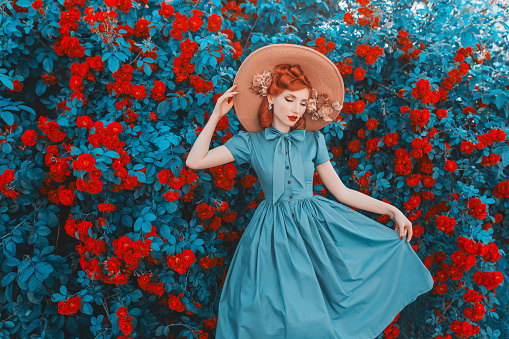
(292, 101)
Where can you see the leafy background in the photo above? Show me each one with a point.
(106, 233)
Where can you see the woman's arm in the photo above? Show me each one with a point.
(200, 156)
(351, 197)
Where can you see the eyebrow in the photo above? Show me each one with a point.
(295, 97)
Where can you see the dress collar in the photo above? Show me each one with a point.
(272, 133)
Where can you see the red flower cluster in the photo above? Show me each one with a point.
(419, 118)
(214, 22)
(403, 162)
(462, 262)
(420, 146)
(323, 46)
(490, 252)
(231, 11)
(200, 85)
(472, 296)
(345, 67)
(224, 175)
(175, 303)
(123, 85)
(157, 91)
(490, 160)
(180, 262)
(372, 146)
(85, 162)
(391, 139)
(370, 54)
(51, 129)
(359, 73)
(182, 65)
(365, 16)
(205, 211)
(412, 203)
(70, 46)
(131, 251)
(248, 180)
(145, 284)
(476, 208)
(490, 280)
(214, 224)
(208, 262)
(463, 329)
(502, 189)
(125, 322)
(423, 92)
(407, 45)
(450, 166)
(484, 55)
(59, 169)
(6, 178)
(445, 224)
(30, 137)
(69, 306)
(353, 107)
(476, 313)
(106, 207)
(186, 176)
(166, 10)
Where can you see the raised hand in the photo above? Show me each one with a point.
(224, 103)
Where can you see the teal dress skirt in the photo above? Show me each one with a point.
(306, 266)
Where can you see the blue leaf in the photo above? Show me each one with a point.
(113, 64)
(47, 64)
(147, 227)
(112, 154)
(87, 309)
(26, 273)
(71, 325)
(9, 278)
(127, 220)
(149, 217)
(8, 118)
(34, 284)
(44, 267)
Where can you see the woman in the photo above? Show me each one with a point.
(306, 266)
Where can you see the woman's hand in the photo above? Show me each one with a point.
(403, 225)
(223, 105)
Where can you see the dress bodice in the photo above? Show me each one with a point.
(283, 162)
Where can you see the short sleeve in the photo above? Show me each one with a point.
(240, 147)
(322, 153)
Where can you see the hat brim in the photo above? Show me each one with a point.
(321, 72)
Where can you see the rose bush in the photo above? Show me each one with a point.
(107, 234)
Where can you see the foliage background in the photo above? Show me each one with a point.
(106, 234)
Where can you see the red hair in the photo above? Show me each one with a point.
(285, 77)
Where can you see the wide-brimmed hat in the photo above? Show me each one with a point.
(255, 74)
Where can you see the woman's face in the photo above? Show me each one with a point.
(289, 106)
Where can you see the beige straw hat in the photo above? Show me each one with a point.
(254, 76)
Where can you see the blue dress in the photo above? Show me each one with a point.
(307, 266)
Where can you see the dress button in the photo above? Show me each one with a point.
(287, 167)
(291, 196)
(289, 181)
(293, 215)
(286, 152)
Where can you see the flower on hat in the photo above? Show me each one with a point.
(261, 82)
(319, 106)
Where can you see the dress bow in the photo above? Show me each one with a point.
(286, 142)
